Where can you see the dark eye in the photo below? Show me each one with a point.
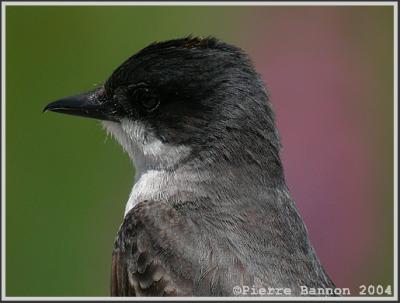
(146, 97)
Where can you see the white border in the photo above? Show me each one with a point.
(227, 299)
(216, 3)
(3, 150)
(395, 153)
(201, 3)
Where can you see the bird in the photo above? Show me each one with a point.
(210, 208)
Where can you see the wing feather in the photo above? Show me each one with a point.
(161, 251)
(142, 262)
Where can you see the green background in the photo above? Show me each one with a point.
(67, 183)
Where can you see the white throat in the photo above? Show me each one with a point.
(150, 156)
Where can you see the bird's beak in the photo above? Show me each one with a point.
(89, 105)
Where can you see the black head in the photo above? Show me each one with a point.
(187, 91)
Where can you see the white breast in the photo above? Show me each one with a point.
(148, 186)
(150, 156)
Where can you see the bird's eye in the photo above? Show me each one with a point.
(147, 98)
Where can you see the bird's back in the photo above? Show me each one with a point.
(191, 248)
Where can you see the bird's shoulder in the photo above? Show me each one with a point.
(148, 255)
(164, 249)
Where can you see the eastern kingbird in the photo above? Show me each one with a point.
(209, 209)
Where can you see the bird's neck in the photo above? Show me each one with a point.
(167, 172)
(193, 179)
(156, 163)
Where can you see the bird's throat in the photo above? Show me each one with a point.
(154, 160)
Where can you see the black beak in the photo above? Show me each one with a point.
(87, 105)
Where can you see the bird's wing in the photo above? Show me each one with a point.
(162, 250)
(152, 253)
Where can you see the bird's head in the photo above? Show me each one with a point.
(180, 97)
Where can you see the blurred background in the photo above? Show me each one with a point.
(329, 71)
